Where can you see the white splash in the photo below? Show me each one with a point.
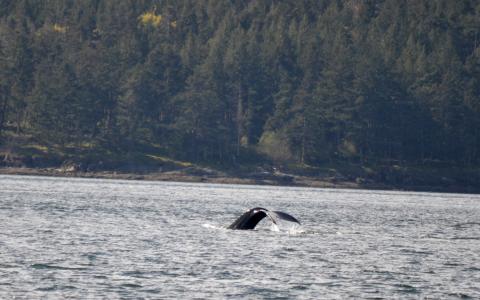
(296, 229)
(210, 226)
(274, 227)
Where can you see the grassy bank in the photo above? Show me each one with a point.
(25, 155)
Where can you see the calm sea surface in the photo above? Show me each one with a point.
(90, 239)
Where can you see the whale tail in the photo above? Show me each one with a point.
(253, 216)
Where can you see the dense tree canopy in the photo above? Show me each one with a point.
(306, 81)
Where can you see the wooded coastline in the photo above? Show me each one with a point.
(380, 93)
(428, 182)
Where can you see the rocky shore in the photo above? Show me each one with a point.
(207, 175)
(185, 175)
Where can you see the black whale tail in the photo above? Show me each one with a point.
(253, 216)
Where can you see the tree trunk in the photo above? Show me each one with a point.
(239, 117)
(3, 112)
(302, 158)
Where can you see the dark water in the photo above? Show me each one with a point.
(78, 238)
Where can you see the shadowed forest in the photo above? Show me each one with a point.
(299, 83)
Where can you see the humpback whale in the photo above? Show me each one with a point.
(252, 216)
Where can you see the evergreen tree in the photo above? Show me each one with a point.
(310, 82)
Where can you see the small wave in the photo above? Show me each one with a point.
(466, 238)
(53, 267)
(131, 285)
(153, 291)
(211, 226)
(411, 251)
(460, 295)
(56, 288)
(406, 288)
(451, 264)
(466, 224)
(300, 287)
(136, 274)
(473, 269)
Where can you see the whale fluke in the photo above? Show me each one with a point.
(253, 216)
(284, 216)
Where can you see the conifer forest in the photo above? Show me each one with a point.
(234, 83)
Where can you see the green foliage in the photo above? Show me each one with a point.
(304, 82)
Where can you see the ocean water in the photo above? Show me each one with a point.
(111, 239)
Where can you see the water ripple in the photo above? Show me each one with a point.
(101, 239)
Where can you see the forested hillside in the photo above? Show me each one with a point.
(306, 82)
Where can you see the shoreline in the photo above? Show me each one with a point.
(174, 176)
(182, 176)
